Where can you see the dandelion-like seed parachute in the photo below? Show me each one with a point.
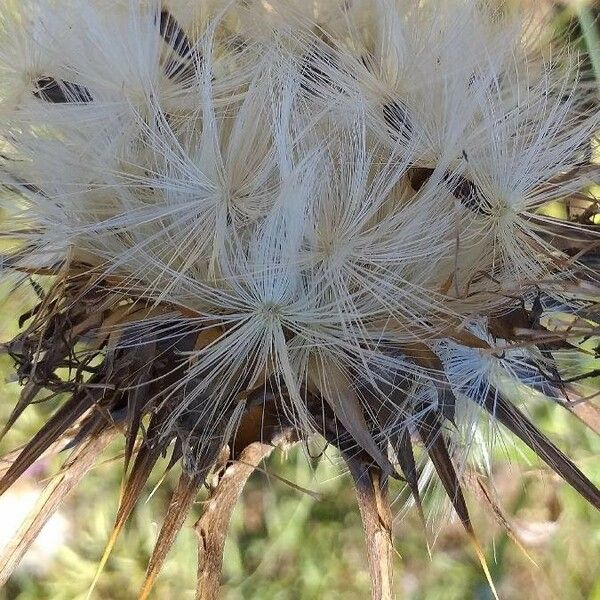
(267, 221)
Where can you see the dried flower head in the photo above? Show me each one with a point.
(268, 221)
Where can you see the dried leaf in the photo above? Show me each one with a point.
(406, 459)
(180, 505)
(337, 390)
(584, 410)
(60, 421)
(430, 430)
(78, 464)
(28, 393)
(142, 467)
(514, 420)
(137, 398)
(481, 491)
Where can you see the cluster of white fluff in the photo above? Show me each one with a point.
(345, 190)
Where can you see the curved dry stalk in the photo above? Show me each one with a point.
(213, 524)
(376, 514)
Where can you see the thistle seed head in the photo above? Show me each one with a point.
(267, 221)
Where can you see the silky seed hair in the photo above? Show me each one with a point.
(257, 223)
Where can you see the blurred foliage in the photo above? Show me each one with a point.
(285, 545)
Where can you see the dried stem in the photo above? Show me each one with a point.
(375, 511)
(213, 524)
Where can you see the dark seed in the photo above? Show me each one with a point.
(60, 92)
(468, 194)
(462, 189)
(183, 69)
(314, 70)
(419, 176)
(173, 34)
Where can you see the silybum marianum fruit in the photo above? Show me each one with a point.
(254, 223)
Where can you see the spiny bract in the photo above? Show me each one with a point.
(264, 221)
